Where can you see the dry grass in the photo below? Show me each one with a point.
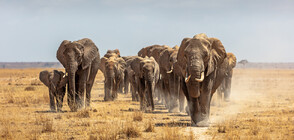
(131, 131)
(149, 127)
(261, 107)
(83, 113)
(30, 88)
(138, 116)
(271, 124)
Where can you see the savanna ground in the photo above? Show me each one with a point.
(261, 107)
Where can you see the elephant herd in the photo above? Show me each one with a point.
(158, 74)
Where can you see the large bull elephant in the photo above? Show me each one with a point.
(147, 74)
(56, 83)
(200, 59)
(226, 69)
(81, 61)
(113, 69)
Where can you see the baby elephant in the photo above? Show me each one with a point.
(56, 82)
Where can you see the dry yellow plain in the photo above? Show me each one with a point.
(261, 107)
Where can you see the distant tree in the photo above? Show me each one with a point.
(244, 61)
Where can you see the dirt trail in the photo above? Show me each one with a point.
(252, 90)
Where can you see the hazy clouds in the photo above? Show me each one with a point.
(32, 30)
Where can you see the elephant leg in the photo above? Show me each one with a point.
(174, 94)
(59, 101)
(204, 102)
(52, 102)
(133, 93)
(106, 91)
(71, 99)
(184, 90)
(141, 91)
(83, 75)
(227, 90)
(148, 93)
(90, 82)
(166, 94)
(181, 101)
(219, 95)
(194, 110)
(126, 83)
(116, 88)
(136, 89)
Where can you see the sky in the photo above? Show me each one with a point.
(256, 30)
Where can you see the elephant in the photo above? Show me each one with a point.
(227, 68)
(114, 52)
(113, 70)
(154, 51)
(171, 77)
(109, 53)
(128, 78)
(81, 61)
(56, 82)
(147, 74)
(200, 59)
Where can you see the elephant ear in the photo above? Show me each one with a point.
(122, 62)
(156, 69)
(217, 55)
(90, 52)
(102, 64)
(44, 77)
(60, 55)
(63, 79)
(117, 52)
(232, 59)
(181, 59)
(164, 59)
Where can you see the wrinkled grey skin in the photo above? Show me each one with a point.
(227, 70)
(147, 75)
(81, 61)
(56, 82)
(200, 59)
(114, 68)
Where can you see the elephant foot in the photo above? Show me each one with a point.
(107, 99)
(187, 110)
(203, 123)
(148, 110)
(52, 108)
(227, 100)
(89, 107)
(174, 109)
(73, 108)
(59, 110)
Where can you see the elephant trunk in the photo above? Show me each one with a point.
(196, 71)
(109, 88)
(72, 68)
(149, 94)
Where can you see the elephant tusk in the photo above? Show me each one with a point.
(201, 79)
(187, 79)
(171, 69)
(66, 74)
